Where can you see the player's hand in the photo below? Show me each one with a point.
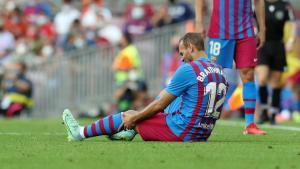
(260, 38)
(128, 118)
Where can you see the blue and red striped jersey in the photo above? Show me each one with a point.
(201, 88)
(231, 19)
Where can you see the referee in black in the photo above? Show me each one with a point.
(272, 58)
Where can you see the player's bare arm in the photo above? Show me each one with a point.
(131, 118)
(292, 38)
(199, 8)
(260, 13)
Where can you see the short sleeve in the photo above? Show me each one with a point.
(183, 78)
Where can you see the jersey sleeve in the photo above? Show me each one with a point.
(183, 78)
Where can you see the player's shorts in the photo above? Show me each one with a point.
(225, 51)
(273, 55)
(156, 129)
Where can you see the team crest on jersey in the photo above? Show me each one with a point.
(279, 15)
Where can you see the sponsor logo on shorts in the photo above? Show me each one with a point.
(206, 126)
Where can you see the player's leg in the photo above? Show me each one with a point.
(156, 129)
(245, 58)
(276, 92)
(105, 126)
(277, 67)
(262, 72)
(152, 129)
(128, 135)
(264, 62)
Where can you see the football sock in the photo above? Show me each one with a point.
(263, 96)
(105, 126)
(276, 101)
(249, 98)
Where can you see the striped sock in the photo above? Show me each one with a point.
(105, 126)
(249, 97)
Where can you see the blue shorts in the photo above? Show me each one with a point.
(226, 51)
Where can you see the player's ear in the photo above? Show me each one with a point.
(191, 48)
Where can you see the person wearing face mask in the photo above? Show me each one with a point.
(63, 22)
(17, 90)
(146, 7)
(16, 23)
(138, 18)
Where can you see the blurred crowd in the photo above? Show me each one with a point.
(34, 32)
(37, 30)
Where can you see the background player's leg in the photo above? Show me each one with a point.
(276, 92)
(263, 74)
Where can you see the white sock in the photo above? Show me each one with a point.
(81, 132)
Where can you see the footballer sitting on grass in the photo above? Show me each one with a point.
(200, 87)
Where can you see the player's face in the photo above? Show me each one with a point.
(185, 53)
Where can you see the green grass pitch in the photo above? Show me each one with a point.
(42, 144)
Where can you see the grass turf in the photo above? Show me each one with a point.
(30, 144)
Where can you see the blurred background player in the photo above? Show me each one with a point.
(201, 84)
(17, 95)
(231, 38)
(272, 57)
(128, 74)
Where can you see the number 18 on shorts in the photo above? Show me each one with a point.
(221, 51)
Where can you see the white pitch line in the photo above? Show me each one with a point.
(235, 123)
(28, 134)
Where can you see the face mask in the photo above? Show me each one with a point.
(139, 2)
(47, 51)
(21, 49)
(79, 43)
(41, 20)
(137, 13)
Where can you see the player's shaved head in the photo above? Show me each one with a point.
(194, 39)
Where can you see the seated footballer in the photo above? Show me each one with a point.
(186, 110)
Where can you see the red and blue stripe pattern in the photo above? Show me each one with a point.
(249, 98)
(231, 19)
(106, 126)
(193, 131)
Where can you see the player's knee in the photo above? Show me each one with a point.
(276, 83)
(263, 80)
(247, 74)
